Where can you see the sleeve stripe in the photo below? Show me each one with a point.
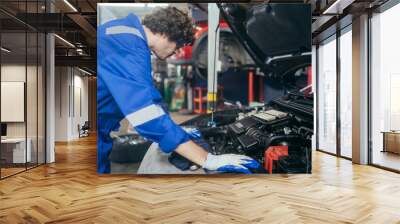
(123, 29)
(145, 114)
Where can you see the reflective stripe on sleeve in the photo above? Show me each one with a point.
(145, 114)
(123, 29)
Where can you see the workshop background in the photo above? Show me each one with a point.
(256, 100)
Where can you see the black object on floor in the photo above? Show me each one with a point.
(129, 149)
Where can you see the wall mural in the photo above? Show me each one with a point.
(152, 56)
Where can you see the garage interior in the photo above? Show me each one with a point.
(345, 86)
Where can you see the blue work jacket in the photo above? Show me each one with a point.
(125, 89)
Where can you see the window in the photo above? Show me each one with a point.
(327, 96)
(385, 87)
(346, 93)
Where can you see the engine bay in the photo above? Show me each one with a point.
(286, 121)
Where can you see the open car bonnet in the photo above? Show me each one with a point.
(276, 35)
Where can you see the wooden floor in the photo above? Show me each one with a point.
(10, 171)
(387, 159)
(70, 191)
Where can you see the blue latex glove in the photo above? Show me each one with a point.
(230, 163)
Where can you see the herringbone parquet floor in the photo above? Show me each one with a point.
(70, 191)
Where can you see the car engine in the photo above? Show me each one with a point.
(286, 121)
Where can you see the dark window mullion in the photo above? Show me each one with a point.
(45, 89)
(26, 86)
(338, 93)
(317, 97)
(37, 90)
(369, 100)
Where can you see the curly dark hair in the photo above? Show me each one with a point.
(171, 22)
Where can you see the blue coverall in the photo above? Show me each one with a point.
(125, 89)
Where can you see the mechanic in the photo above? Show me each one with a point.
(125, 88)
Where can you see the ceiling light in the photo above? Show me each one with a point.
(5, 50)
(84, 71)
(338, 6)
(64, 40)
(329, 9)
(70, 5)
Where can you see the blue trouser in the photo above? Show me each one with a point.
(105, 142)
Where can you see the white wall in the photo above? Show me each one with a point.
(80, 100)
(61, 103)
(71, 93)
(12, 73)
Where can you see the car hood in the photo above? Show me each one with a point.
(276, 35)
